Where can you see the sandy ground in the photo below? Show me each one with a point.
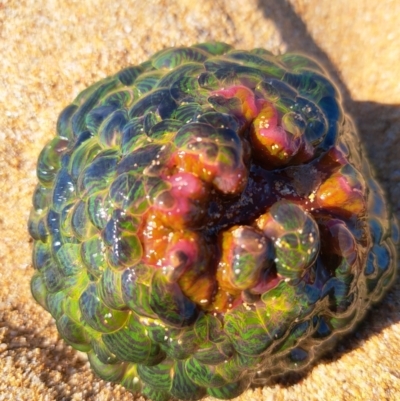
(51, 50)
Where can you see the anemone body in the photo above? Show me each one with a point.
(207, 220)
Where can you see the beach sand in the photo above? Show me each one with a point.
(51, 50)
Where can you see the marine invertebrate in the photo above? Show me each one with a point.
(206, 220)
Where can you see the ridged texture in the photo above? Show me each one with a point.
(207, 220)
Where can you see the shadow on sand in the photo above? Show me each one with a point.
(379, 127)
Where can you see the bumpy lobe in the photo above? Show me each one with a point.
(205, 220)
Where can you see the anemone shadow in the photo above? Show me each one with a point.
(378, 126)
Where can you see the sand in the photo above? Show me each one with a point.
(51, 50)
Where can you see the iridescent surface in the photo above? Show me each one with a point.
(207, 220)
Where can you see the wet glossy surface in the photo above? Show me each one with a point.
(206, 220)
